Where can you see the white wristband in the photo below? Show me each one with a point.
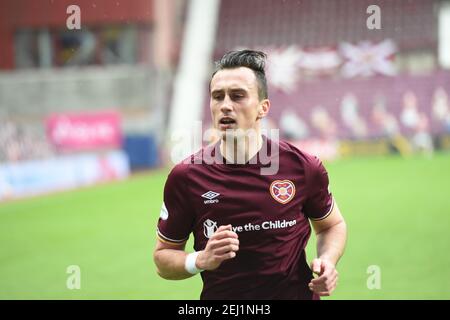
(189, 263)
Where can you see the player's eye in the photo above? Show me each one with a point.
(237, 96)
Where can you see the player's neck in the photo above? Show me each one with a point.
(240, 150)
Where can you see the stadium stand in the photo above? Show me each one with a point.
(411, 24)
(23, 141)
(339, 79)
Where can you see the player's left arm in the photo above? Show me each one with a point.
(331, 234)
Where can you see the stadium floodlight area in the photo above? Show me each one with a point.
(444, 35)
(196, 54)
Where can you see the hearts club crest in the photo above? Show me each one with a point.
(282, 190)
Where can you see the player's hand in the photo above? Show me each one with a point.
(327, 278)
(222, 246)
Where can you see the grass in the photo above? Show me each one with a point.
(397, 211)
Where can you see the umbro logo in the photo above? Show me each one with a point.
(211, 195)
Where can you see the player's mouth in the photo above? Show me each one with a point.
(226, 123)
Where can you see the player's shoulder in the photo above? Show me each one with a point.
(181, 169)
(312, 167)
(306, 159)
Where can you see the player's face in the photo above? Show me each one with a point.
(234, 100)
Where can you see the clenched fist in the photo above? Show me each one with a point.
(222, 246)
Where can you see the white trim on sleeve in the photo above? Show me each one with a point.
(327, 214)
(163, 237)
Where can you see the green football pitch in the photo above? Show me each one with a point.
(397, 211)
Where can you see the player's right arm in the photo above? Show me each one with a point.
(170, 258)
(176, 223)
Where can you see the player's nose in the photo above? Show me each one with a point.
(227, 105)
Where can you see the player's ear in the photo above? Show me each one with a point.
(263, 108)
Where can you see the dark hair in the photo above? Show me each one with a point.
(251, 59)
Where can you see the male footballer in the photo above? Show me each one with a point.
(250, 229)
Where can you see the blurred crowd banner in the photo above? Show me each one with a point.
(66, 172)
(373, 115)
(84, 131)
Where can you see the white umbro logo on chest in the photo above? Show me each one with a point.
(211, 195)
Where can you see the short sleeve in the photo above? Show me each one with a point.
(319, 202)
(177, 217)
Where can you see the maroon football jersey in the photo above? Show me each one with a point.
(268, 212)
